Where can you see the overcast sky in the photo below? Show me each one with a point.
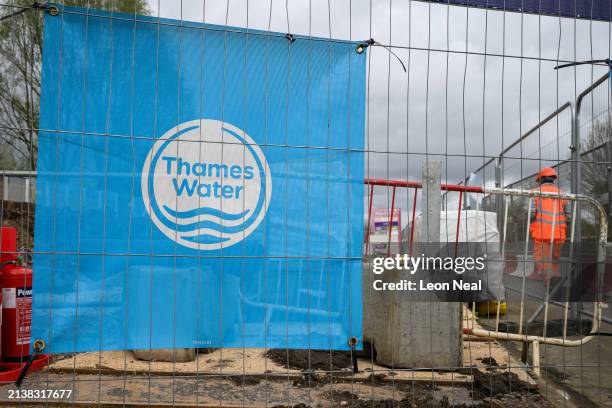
(449, 104)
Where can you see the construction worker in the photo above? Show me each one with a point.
(549, 217)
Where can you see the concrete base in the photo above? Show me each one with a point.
(410, 334)
(180, 355)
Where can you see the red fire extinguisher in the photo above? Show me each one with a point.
(16, 283)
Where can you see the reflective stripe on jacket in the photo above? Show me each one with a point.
(548, 213)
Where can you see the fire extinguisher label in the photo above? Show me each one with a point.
(23, 302)
(8, 296)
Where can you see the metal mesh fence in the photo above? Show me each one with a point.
(369, 128)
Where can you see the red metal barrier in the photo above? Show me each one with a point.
(416, 185)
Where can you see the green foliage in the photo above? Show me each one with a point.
(125, 6)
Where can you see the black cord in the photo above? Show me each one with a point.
(26, 368)
(606, 62)
(361, 48)
(38, 347)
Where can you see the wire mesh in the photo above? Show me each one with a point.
(471, 88)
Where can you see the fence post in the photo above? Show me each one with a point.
(430, 201)
(410, 334)
(575, 179)
(609, 176)
(26, 192)
(499, 203)
(444, 339)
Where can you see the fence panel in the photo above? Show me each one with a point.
(204, 234)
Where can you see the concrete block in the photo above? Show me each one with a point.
(179, 355)
(409, 334)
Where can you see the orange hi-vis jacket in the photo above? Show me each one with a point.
(546, 212)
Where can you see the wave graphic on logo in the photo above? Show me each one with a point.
(191, 219)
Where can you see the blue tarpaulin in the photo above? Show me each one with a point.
(197, 186)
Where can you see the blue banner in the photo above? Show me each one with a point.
(585, 9)
(198, 186)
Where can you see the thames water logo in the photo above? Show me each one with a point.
(206, 184)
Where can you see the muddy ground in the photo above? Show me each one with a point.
(493, 386)
(310, 359)
(311, 392)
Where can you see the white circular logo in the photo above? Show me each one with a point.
(206, 184)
